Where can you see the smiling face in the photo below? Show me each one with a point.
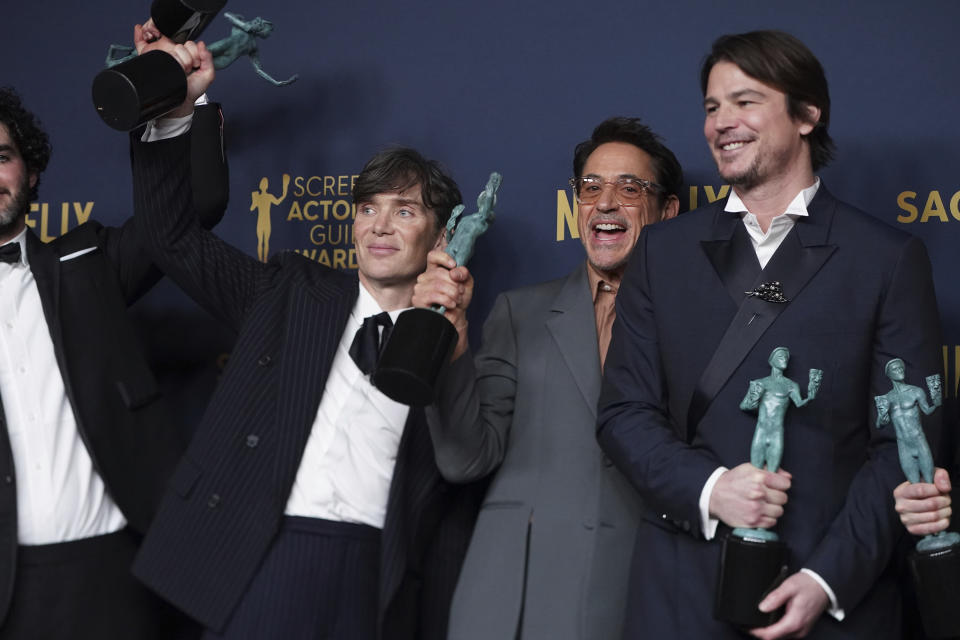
(753, 139)
(609, 230)
(15, 184)
(393, 233)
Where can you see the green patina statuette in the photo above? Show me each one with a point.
(770, 397)
(902, 406)
(462, 233)
(242, 41)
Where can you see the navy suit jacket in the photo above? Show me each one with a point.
(227, 497)
(859, 294)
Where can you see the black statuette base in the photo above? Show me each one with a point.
(413, 357)
(936, 576)
(182, 20)
(749, 570)
(139, 90)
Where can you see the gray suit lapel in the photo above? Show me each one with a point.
(573, 326)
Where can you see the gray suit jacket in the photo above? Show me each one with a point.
(551, 548)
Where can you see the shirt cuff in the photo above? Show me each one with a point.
(835, 611)
(164, 128)
(707, 524)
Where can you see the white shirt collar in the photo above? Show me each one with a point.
(367, 306)
(797, 207)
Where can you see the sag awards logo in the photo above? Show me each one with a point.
(318, 207)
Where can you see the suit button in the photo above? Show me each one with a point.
(253, 440)
(8, 479)
(264, 360)
(589, 524)
(607, 462)
(213, 500)
(685, 525)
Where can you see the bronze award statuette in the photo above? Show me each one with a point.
(753, 562)
(935, 563)
(421, 341)
(134, 92)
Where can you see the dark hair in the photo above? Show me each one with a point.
(783, 62)
(25, 131)
(669, 175)
(400, 168)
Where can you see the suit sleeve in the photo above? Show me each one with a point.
(124, 245)
(634, 425)
(860, 541)
(219, 277)
(470, 422)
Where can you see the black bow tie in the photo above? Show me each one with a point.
(10, 253)
(367, 343)
(769, 292)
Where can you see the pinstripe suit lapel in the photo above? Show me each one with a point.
(316, 315)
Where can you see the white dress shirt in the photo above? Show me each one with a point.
(60, 496)
(349, 458)
(765, 244)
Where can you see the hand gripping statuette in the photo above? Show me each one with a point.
(935, 564)
(135, 89)
(420, 343)
(753, 561)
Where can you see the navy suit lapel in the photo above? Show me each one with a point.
(731, 254)
(316, 316)
(572, 314)
(801, 255)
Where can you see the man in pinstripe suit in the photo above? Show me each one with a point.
(308, 505)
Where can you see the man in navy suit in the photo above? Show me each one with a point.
(706, 298)
(308, 504)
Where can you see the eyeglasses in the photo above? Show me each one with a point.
(587, 190)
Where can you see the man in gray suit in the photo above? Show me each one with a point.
(551, 549)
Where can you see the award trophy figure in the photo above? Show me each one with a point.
(935, 563)
(754, 561)
(420, 343)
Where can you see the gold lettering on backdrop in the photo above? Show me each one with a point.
(318, 186)
(567, 214)
(933, 208)
(323, 203)
(905, 202)
(708, 190)
(81, 211)
(333, 234)
(335, 258)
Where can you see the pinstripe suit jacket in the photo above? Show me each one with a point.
(227, 496)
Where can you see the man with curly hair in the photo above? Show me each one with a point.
(85, 445)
